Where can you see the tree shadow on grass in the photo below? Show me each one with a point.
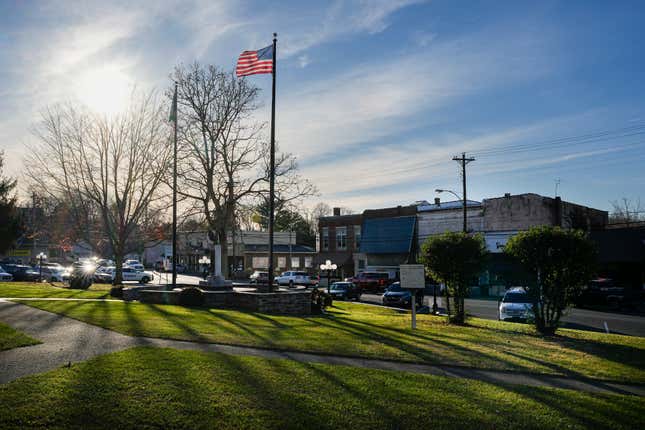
(178, 322)
(588, 411)
(568, 372)
(625, 355)
(98, 397)
(418, 353)
(264, 340)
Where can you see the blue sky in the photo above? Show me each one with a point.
(374, 97)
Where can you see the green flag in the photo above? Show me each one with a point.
(173, 108)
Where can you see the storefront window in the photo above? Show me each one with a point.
(341, 238)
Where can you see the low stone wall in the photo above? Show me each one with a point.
(133, 293)
(288, 302)
(161, 297)
(283, 302)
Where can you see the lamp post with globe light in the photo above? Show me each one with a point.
(204, 261)
(42, 256)
(328, 266)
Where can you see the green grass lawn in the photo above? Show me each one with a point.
(367, 331)
(10, 338)
(166, 388)
(46, 289)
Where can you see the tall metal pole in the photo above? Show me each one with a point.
(272, 167)
(174, 199)
(463, 161)
(463, 174)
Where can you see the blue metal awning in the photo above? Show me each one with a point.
(388, 235)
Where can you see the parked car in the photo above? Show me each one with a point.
(344, 291)
(135, 265)
(81, 275)
(396, 296)
(601, 292)
(160, 267)
(372, 281)
(129, 274)
(53, 274)
(293, 278)
(4, 276)
(21, 272)
(515, 306)
(104, 275)
(53, 266)
(259, 277)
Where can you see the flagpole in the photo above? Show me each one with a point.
(174, 199)
(272, 167)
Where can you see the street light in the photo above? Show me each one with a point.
(439, 191)
(42, 256)
(204, 261)
(328, 266)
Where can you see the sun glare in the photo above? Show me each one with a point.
(105, 90)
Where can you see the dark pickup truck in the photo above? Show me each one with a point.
(602, 292)
(372, 281)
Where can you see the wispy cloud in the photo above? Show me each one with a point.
(341, 19)
(380, 99)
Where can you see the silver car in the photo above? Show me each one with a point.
(515, 306)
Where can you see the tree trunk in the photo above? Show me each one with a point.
(118, 262)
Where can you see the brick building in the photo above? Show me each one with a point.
(377, 239)
(382, 239)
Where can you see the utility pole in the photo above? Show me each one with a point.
(464, 161)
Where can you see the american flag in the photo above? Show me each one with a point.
(255, 62)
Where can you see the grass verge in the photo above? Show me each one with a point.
(10, 338)
(52, 290)
(166, 388)
(366, 331)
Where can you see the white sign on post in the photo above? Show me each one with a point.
(413, 277)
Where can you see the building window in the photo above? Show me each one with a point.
(308, 262)
(361, 264)
(325, 238)
(295, 262)
(341, 238)
(282, 262)
(357, 237)
(260, 262)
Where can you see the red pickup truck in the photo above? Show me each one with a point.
(372, 281)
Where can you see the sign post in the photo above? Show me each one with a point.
(413, 278)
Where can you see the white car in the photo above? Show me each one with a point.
(135, 266)
(54, 274)
(4, 276)
(133, 263)
(515, 306)
(130, 274)
(293, 278)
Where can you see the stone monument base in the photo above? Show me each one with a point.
(216, 283)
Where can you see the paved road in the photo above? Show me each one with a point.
(582, 319)
(67, 341)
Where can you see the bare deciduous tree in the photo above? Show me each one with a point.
(115, 164)
(223, 154)
(627, 211)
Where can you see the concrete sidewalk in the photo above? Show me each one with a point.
(66, 340)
